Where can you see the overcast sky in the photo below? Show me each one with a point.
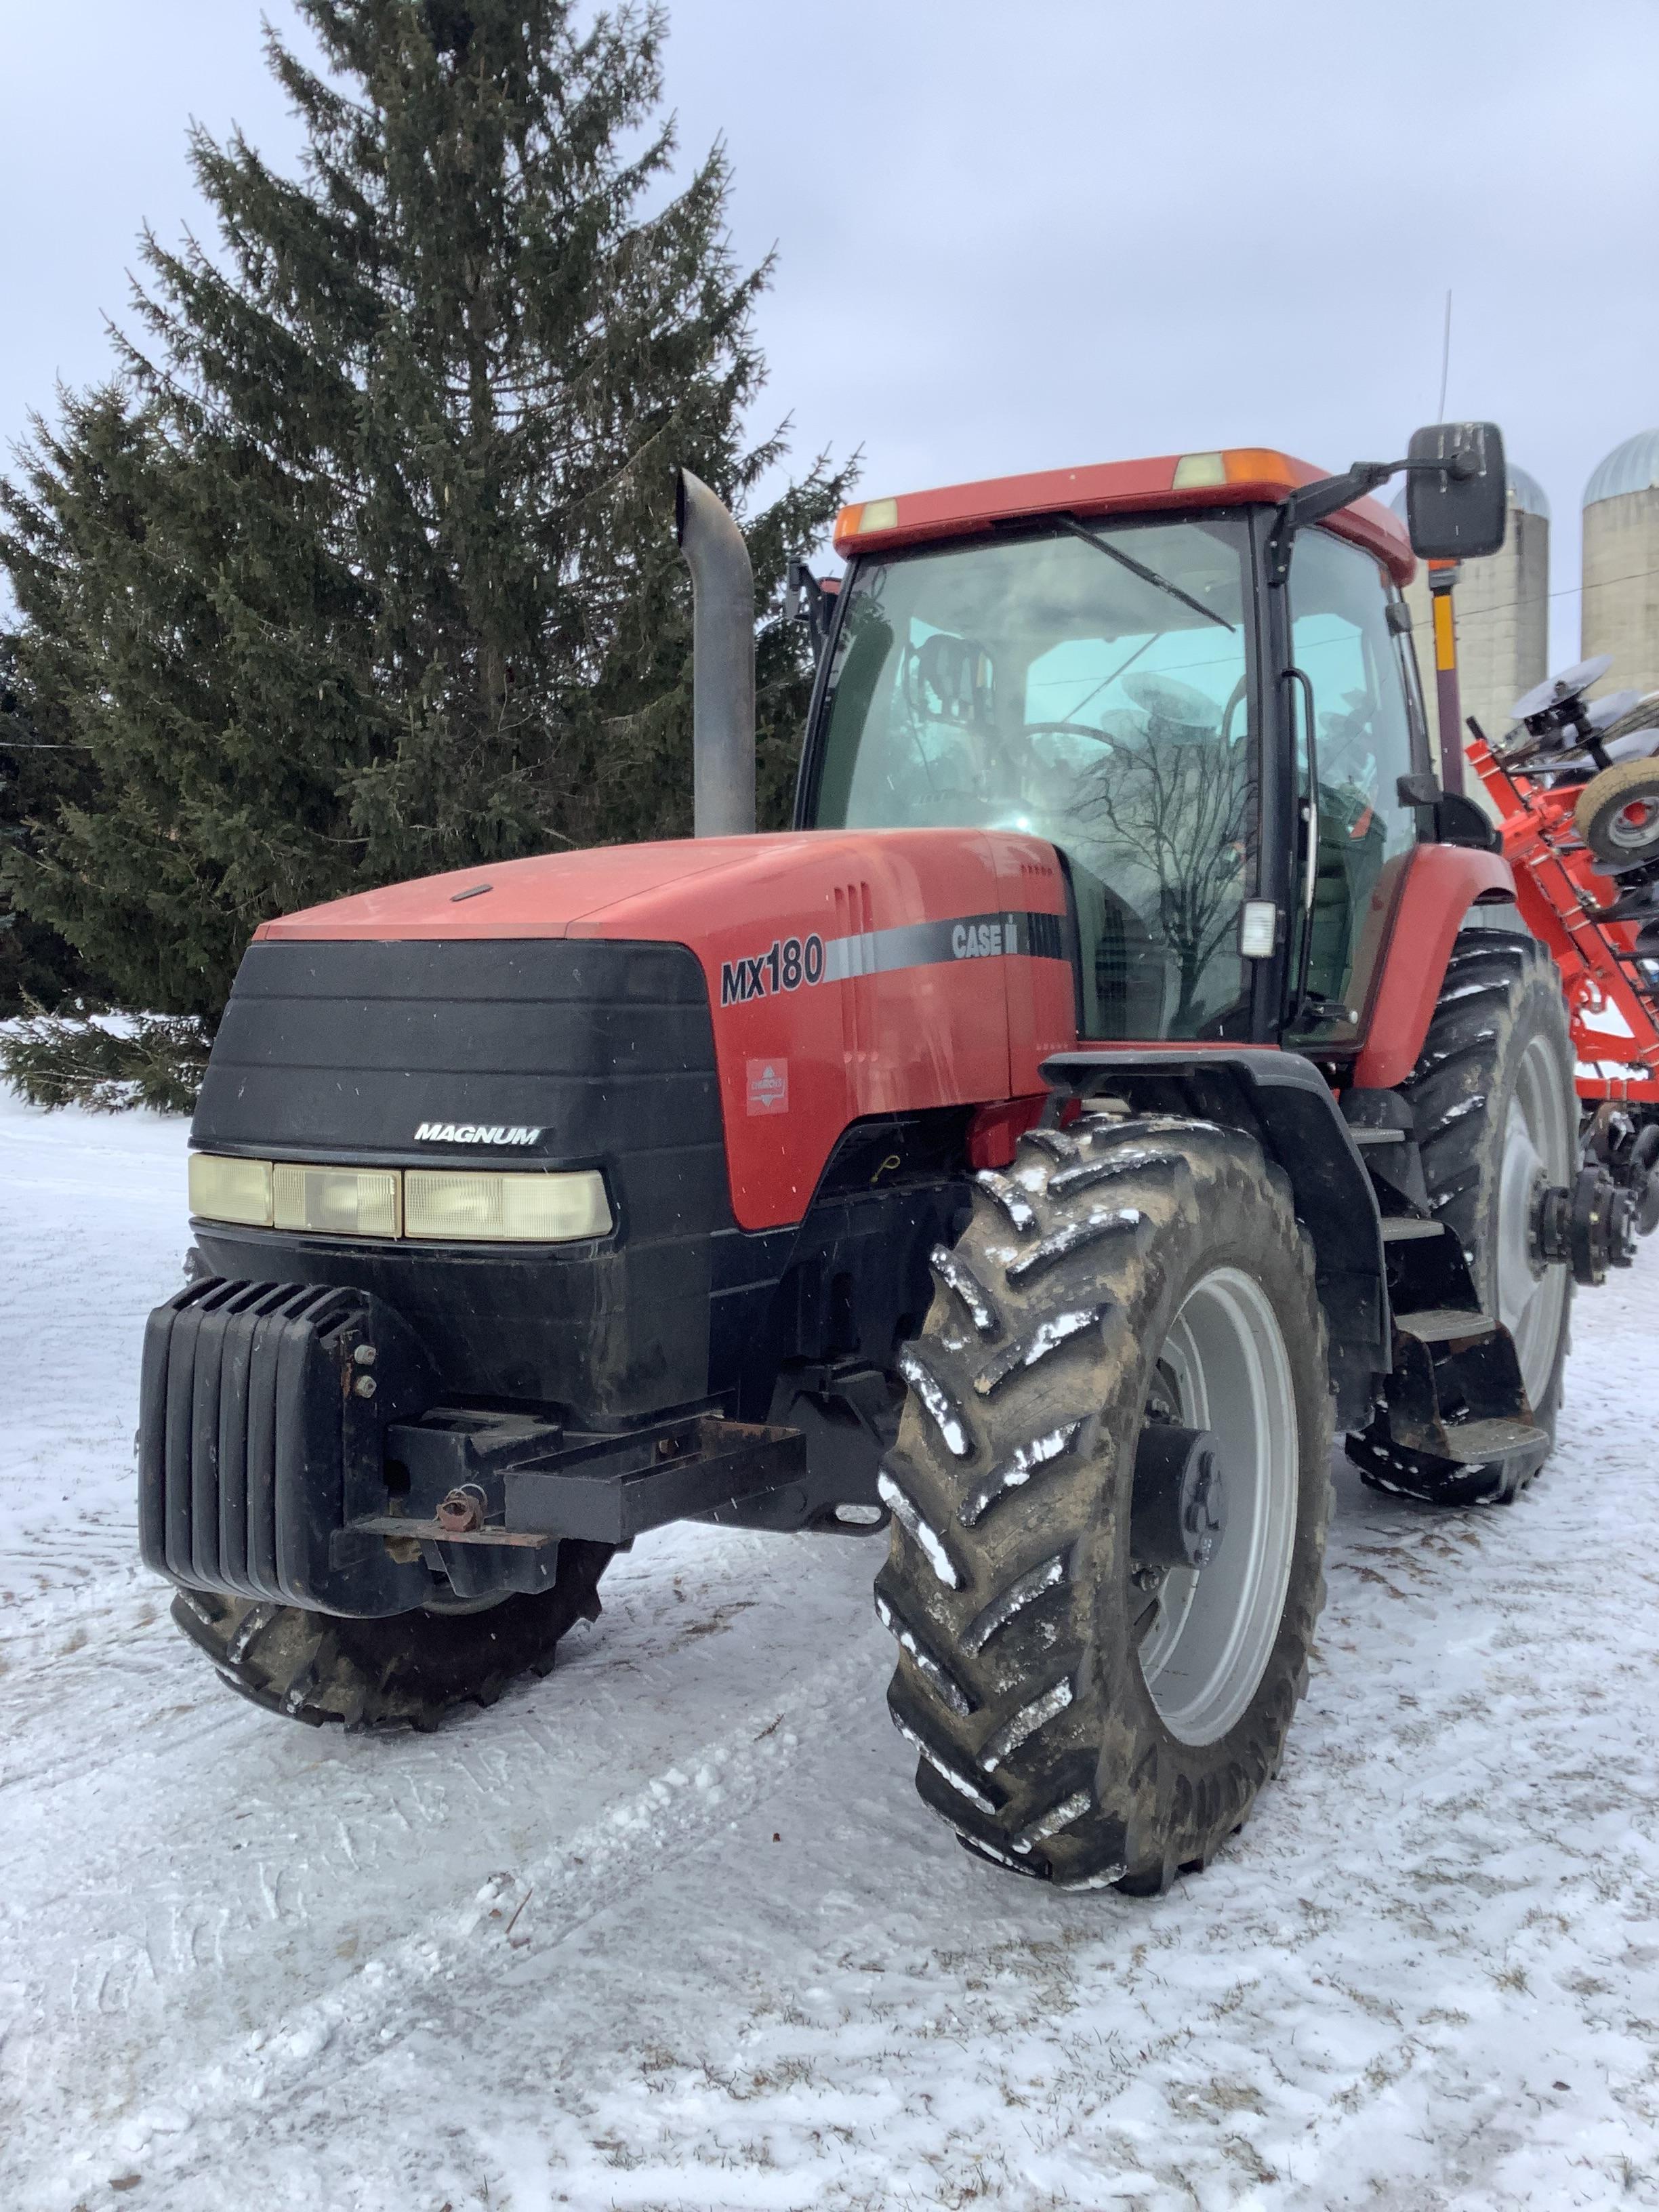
(1019, 236)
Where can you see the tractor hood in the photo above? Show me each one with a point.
(848, 974)
(553, 895)
(673, 890)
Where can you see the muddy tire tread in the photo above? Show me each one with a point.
(1491, 977)
(410, 1671)
(1032, 1754)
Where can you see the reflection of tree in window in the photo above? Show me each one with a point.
(1179, 798)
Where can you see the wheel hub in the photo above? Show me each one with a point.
(1180, 1510)
(1549, 1234)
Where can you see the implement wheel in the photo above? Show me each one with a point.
(1616, 814)
(1123, 1367)
(406, 1671)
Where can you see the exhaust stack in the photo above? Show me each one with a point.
(722, 662)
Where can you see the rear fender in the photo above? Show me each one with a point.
(1285, 1104)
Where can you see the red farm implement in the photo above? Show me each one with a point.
(1576, 788)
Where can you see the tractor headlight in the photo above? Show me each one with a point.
(487, 1209)
(224, 1189)
(336, 1201)
(457, 1205)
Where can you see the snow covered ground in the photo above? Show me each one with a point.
(670, 1928)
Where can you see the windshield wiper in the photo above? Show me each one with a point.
(1146, 575)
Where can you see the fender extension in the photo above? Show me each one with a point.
(1285, 1104)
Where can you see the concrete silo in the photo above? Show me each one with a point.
(1621, 564)
(1501, 605)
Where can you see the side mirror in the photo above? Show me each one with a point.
(1459, 820)
(1457, 492)
(811, 600)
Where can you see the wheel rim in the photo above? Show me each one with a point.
(1224, 1367)
(1531, 1297)
(1633, 825)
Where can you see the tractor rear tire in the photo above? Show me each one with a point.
(1079, 1717)
(409, 1670)
(1494, 1098)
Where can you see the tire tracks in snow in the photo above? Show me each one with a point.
(456, 1954)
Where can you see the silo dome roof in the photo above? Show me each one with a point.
(1528, 494)
(1634, 466)
(1525, 492)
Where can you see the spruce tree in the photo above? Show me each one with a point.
(38, 970)
(365, 567)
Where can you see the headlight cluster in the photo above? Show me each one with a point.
(454, 1204)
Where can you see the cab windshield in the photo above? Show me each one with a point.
(1090, 688)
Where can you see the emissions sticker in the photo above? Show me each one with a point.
(768, 1086)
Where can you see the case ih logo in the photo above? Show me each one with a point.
(473, 1132)
(790, 962)
(983, 940)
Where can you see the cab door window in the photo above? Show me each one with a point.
(1340, 641)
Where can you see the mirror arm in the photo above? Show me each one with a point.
(1313, 502)
(805, 600)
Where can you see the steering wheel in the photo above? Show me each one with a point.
(1235, 698)
(1066, 729)
(1357, 718)
(1182, 705)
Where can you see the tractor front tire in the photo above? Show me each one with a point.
(1081, 1716)
(1495, 1108)
(408, 1670)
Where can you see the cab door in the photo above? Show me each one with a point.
(1358, 728)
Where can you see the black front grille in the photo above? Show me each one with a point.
(347, 1048)
(341, 1050)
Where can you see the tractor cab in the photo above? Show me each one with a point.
(1217, 726)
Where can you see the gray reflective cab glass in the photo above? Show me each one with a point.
(1362, 723)
(1097, 698)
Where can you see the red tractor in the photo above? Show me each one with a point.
(1132, 1067)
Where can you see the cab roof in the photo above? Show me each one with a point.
(1231, 478)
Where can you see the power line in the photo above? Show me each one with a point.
(1569, 591)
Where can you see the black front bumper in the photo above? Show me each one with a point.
(292, 1448)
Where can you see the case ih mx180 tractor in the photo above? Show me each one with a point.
(1131, 1065)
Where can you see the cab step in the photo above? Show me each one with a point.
(1471, 1443)
(1455, 1390)
(1445, 1325)
(1407, 1229)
